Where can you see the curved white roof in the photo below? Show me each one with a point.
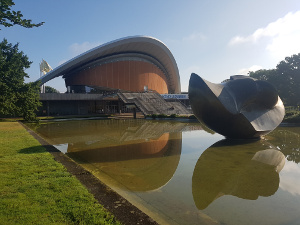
(142, 45)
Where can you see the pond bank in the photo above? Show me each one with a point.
(123, 210)
(35, 189)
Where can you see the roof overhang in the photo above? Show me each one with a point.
(140, 45)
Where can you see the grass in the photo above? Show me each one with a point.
(35, 189)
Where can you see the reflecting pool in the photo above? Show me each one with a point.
(178, 173)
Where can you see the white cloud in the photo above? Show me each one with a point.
(283, 34)
(288, 178)
(77, 49)
(183, 41)
(194, 37)
(245, 71)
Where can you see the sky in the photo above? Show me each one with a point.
(214, 39)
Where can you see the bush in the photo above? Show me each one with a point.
(162, 116)
(292, 117)
(153, 116)
(173, 116)
(290, 113)
(192, 117)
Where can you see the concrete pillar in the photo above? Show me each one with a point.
(134, 113)
(48, 109)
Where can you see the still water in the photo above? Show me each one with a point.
(180, 174)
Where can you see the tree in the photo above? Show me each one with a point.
(8, 17)
(289, 71)
(49, 89)
(286, 79)
(28, 100)
(16, 97)
(263, 74)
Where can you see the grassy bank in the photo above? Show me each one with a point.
(35, 189)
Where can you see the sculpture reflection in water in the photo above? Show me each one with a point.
(241, 108)
(245, 170)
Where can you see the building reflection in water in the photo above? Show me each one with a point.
(245, 170)
(139, 155)
(141, 166)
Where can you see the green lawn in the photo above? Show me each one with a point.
(35, 189)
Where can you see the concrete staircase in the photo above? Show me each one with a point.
(153, 103)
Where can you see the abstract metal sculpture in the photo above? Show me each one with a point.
(241, 107)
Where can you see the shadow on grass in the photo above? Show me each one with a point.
(38, 149)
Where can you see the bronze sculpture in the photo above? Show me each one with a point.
(241, 108)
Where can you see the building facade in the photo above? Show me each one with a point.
(134, 64)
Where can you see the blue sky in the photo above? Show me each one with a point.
(214, 39)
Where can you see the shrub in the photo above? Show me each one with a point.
(162, 116)
(292, 117)
(192, 117)
(173, 116)
(153, 116)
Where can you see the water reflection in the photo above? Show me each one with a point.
(138, 167)
(245, 170)
(167, 169)
(287, 140)
(140, 155)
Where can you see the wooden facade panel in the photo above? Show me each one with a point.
(125, 75)
(121, 75)
(109, 75)
(133, 76)
(116, 75)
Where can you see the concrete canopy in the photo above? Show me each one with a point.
(148, 47)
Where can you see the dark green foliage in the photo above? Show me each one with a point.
(292, 117)
(162, 116)
(192, 117)
(173, 116)
(9, 17)
(286, 79)
(16, 97)
(50, 90)
(29, 101)
(154, 116)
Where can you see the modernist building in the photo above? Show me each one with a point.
(132, 64)
(137, 64)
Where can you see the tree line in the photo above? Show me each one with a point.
(286, 79)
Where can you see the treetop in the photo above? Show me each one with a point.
(9, 17)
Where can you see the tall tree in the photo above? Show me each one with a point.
(286, 79)
(16, 97)
(9, 17)
(289, 71)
